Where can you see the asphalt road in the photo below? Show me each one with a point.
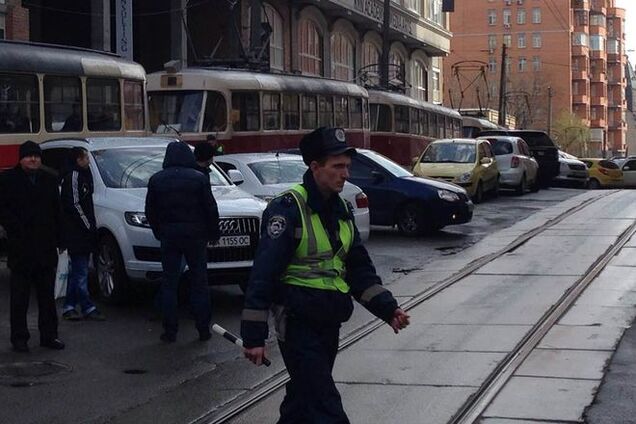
(118, 371)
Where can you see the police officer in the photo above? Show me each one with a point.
(309, 263)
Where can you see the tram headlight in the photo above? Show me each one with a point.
(465, 177)
(449, 196)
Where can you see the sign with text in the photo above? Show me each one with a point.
(374, 9)
(123, 24)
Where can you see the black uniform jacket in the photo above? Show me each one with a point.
(79, 234)
(275, 251)
(30, 213)
(179, 202)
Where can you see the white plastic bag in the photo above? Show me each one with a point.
(61, 275)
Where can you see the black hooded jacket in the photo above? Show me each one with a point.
(179, 202)
(79, 233)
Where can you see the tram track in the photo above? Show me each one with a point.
(477, 403)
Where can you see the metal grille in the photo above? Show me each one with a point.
(577, 167)
(238, 226)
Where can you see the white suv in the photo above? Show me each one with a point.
(128, 253)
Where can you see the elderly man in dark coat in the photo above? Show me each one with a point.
(183, 215)
(30, 213)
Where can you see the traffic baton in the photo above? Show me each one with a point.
(234, 339)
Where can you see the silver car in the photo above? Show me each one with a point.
(266, 175)
(572, 170)
(128, 253)
(517, 168)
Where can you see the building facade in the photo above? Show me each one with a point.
(563, 58)
(339, 39)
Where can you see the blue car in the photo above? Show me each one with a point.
(396, 197)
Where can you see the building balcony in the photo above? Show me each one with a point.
(598, 30)
(598, 6)
(599, 101)
(598, 77)
(598, 123)
(580, 99)
(598, 55)
(616, 126)
(580, 75)
(615, 81)
(581, 4)
(616, 12)
(580, 51)
(614, 57)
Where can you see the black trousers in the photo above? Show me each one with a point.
(172, 254)
(43, 280)
(309, 352)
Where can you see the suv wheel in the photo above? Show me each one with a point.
(521, 188)
(112, 280)
(409, 220)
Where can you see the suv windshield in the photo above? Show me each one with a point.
(132, 167)
(278, 171)
(450, 152)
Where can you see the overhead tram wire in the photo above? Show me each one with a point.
(28, 5)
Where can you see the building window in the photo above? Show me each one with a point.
(521, 41)
(536, 15)
(597, 42)
(597, 20)
(536, 40)
(370, 64)
(435, 11)
(310, 53)
(522, 64)
(536, 63)
(414, 5)
(581, 17)
(396, 71)
(579, 39)
(507, 40)
(521, 16)
(437, 91)
(492, 64)
(342, 57)
(492, 41)
(420, 81)
(276, 44)
(492, 16)
(613, 46)
(2, 26)
(507, 17)
(508, 66)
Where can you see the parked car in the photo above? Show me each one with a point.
(128, 253)
(469, 163)
(628, 167)
(517, 168)
(415, 205)
(543, 149)
(572, 170)
(265, 175)
(603, 173)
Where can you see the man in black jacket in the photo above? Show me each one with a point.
(79, 234)
(30, 213)
(183, 215)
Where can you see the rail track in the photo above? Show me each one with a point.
(471, 410)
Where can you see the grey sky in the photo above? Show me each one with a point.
(630, 30)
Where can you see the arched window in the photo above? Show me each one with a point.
(342, 57)
(276, 44)
(396, 72)
(370, 56)
(420, 81)
(310, 51)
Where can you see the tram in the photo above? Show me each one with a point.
(49, 91)
(251, 111)
(402, 127)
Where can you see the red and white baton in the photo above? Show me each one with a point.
(234, 339)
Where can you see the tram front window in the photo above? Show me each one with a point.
(175, 111)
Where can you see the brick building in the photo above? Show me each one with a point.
(563, 57)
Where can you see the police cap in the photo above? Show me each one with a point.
(324, 142)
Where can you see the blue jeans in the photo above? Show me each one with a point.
(77, 286)
(172, 254)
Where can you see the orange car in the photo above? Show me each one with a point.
(603, 173)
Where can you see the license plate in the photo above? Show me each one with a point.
(231, 241)
(540, 153)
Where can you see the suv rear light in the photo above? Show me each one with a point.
(362, 201)
(514, 163)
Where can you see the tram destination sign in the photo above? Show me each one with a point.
(374, 9)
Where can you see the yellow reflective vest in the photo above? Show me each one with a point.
(315, 265)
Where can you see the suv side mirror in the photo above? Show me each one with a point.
(235, 176)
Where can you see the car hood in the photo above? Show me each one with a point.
(230, 200)
(349, 191)
(438, 184)
(570, 161)
(444, 169)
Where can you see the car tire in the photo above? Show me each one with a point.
(409, 220)
(521, 188)
(112, 281)
(478, 197)
(535, 186)
(593, 184)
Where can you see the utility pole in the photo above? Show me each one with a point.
(502, 87)
(384, 59)
(549, 110)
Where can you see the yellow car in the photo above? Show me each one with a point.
(603, 173)
(466, 162)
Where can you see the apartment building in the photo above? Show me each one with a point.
(562, 57)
